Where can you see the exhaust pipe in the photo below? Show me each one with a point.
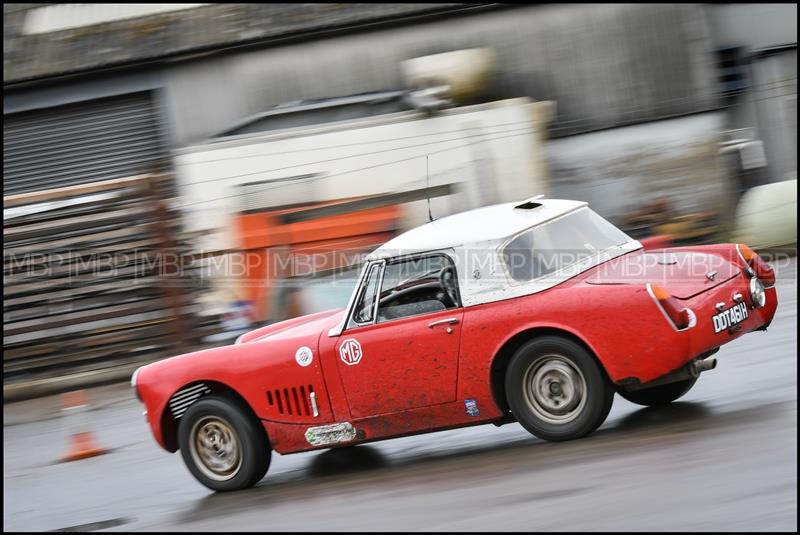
(687, 371)
(700, 366)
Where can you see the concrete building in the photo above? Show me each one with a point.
(95, 92)
(757, 45)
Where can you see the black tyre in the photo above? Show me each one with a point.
(556, 390)
(222, 446)
(659, 395)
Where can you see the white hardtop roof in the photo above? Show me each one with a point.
(481, 225)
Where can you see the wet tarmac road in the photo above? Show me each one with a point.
(724, 457)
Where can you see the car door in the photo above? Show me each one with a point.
(401, 352)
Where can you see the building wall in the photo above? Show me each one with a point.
(618, 171)
(754, 25)
(490, 153)
(767, 34)
(604, 65)
(774, 97)
(47, 40)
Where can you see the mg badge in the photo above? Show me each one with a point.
(350, 352)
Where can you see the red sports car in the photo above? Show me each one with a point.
(536, 312)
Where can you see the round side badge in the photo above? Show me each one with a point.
(304, 356)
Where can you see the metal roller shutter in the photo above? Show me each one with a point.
(79, 143)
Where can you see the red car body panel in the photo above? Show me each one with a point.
(250, 369)
(412, 377)
(415, 366)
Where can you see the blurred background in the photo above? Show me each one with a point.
(176, 174)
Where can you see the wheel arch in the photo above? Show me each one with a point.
(503, 356)
(169, 423)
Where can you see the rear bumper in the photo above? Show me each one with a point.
(676, 349)
(703, 336)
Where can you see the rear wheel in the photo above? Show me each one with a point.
(659, 395)
(556, 390)
(222, 446)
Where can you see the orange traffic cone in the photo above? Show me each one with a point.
(81, 439)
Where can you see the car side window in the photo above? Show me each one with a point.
(559, 243)
(416, 286)
(365, 304)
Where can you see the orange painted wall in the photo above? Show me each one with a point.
(269, 244)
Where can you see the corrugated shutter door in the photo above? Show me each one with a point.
(78, 143)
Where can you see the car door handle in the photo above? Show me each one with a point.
(442, 322)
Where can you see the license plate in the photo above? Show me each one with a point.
(730, 317)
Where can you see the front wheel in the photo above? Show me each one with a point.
(222, 446)
(556, 390)
(659, 395)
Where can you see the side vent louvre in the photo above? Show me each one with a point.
(183, 399)
(292, 401)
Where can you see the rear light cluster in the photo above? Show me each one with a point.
(758, 293)
(756, 265)
(680, 316)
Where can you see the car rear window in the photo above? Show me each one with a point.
(562, 242)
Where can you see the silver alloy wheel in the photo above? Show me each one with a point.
(554, 389)
(215, 447)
